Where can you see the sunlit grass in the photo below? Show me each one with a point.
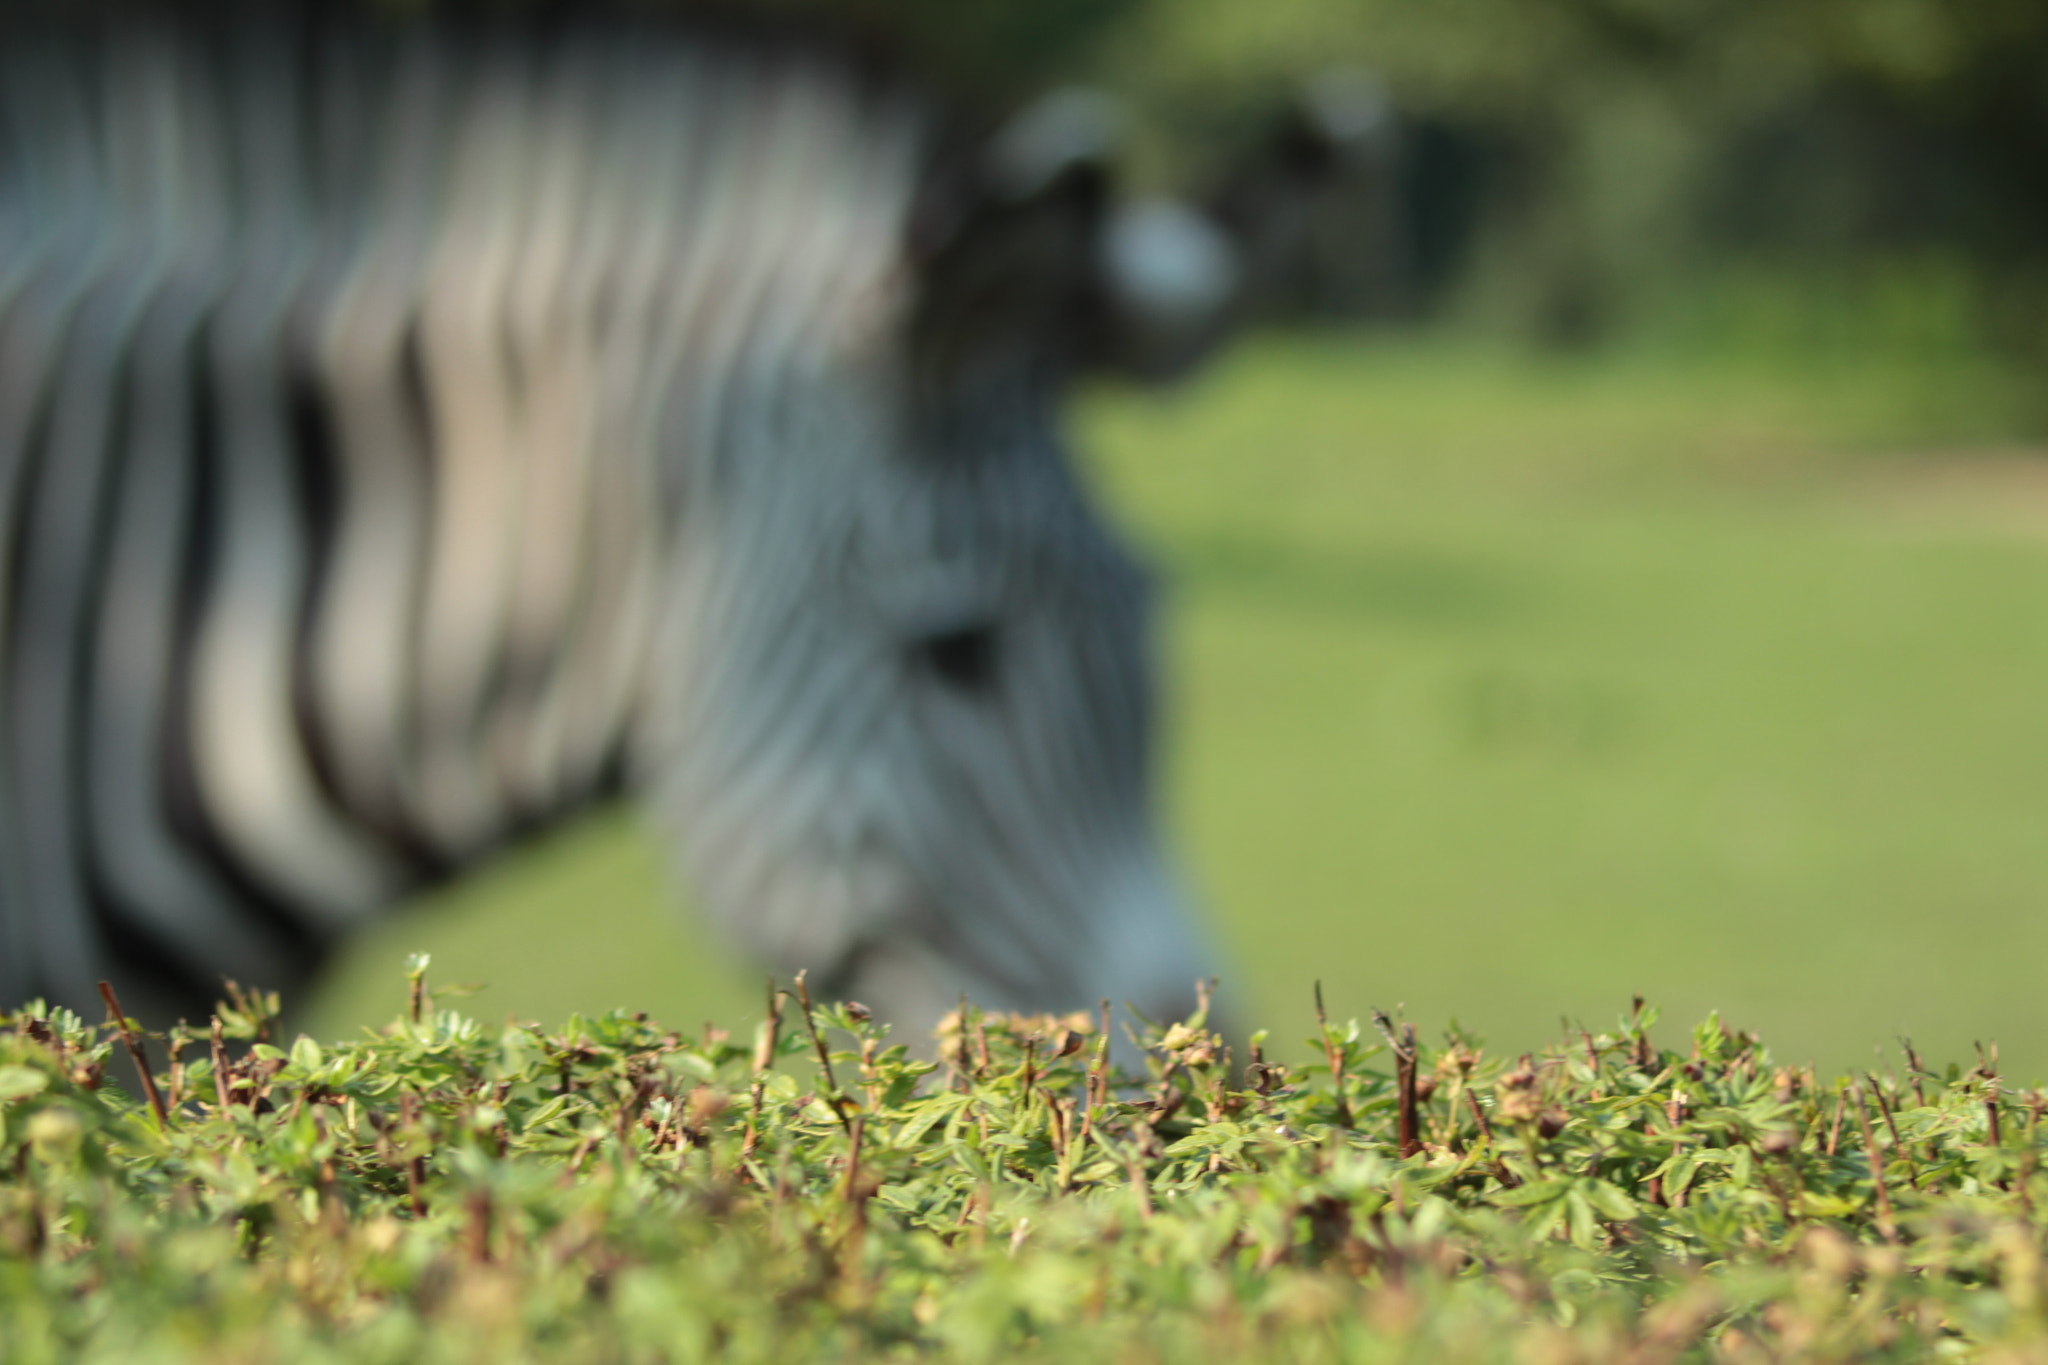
(1507, 686)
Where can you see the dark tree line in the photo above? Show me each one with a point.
(1611, 150)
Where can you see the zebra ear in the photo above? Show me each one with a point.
(1309, 202)
(1028, 255)
(1169, 280)
(1177, 280)
(1006, 246)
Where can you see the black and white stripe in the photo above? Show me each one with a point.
(407, 431)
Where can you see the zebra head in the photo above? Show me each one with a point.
(904, 707)
(407, 427)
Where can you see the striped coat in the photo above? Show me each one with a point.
(410, 433)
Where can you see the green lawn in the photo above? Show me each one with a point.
(1504, 687)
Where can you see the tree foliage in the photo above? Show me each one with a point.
(1629, 144)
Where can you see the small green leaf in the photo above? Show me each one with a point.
(1612, 1203)
(18, 1082)
(930, 1114)
(1530, 1195)
(1585, 1229)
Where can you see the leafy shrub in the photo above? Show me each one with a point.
(443, 1191)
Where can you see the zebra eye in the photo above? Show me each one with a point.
(962, 656)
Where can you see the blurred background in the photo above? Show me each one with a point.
(1615, 560)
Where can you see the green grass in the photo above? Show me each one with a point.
(1507, 686)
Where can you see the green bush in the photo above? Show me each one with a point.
(443, 1191)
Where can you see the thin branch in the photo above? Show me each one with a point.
(133, 1043)
(832, 1095)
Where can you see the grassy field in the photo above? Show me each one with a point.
(1504, 687)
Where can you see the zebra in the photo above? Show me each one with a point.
(414, 430)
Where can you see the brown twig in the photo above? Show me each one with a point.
(415, 1167)
(1096, 1088)
(1402, 1042)
(1912, 1170)
(856, 1194)
(960, 1065)
(416, 1001)
(771, 1029)
(1030, 1069)
(1646, 1051)
(1136, 1167)
(1479, 1113)
(133, 1043)
(1914, 1069)
(1885, 1224)
(2030, 1156)
(174, 1044)
(220, 1066)
(1335, 1055)
(1098, 1071)
(1992, 1129)
(832, 1095)
(1411, 1115)
(1506, 1177)
(755, 1093)
(854, 1132)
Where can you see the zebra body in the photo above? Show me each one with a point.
(406, 432)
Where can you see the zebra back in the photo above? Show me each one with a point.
(351, 379)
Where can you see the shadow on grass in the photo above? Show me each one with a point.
(1396, 585)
